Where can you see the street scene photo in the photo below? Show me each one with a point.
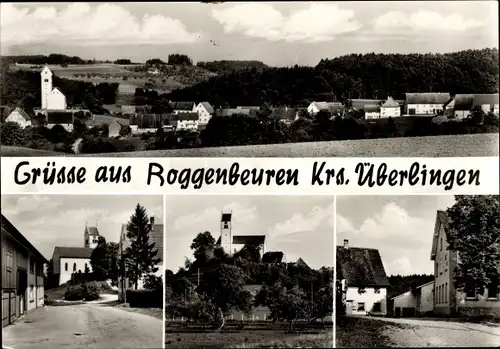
(249, 271)
(250, 79)
(417, 271)
(82, 271)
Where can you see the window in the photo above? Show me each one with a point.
(32, 266)
(74, 266)
(376, 290)
(45, 80)
(31, 293)
(9, 261)
(446, 292)
(65, 266)
(377, 307)
(226, 226)
(493, 289)
(470, 291)
(361, 306)
(441, 244)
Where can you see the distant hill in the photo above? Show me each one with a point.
(224, 67)
(358, 76)
(53, 58)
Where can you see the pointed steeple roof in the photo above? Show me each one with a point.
(390, 103)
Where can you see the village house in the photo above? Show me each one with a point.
(205, 112)
(69, 260)
(20, 117)
(462, 105)
(183, 107)
(332, 107)
(487, 102)
(390, 108)
(22, 274)
(187, 121)
(285, 114)
(155, 236)
(415, 302)
(425, 104)
(225, 112)
(364, 282)
(371, 112)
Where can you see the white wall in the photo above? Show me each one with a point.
(369, 298)
(496, 109)
(203, 114)
(405, 300)
(67, 127)
(312, 109)
(16, 117)
(40, 296)
(56, 100)
(65, 275)
(424, 109)
(461, 114)
(392, 112)
(46, 84)
(442, 272)
(372, 115)
(187, 124)
(31, 291)
(426, 298)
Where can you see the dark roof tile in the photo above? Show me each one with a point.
(361, 267)
(73, 252)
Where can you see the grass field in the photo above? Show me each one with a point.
(359, 332)
(260, 336)
(433, 146)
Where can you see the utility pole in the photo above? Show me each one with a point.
(198, 276)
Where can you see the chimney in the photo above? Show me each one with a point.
(346, 244)
(152, 221)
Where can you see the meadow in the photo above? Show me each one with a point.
(252, 336)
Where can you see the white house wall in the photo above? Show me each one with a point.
(187, 124)
(392, 112)
(372, 115)
(312, 109)
(426, 298)
(67, 127)
(405, 300)
(424, 109)
(203, 115)
(16, 117)
(369, 298)
(65, 275)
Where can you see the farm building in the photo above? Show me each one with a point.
(390, 108)
(235, 111)
(285, 114)
(156, 237)
(414, 302)
(187, 121)
(371, 112)
(429, 103)
(205, 112)
(183, 107)
(363, 278)
(20, 117)
(22, 274)
(487, 102)
(332, 107)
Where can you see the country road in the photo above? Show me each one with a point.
(434, 333)
(83, 326)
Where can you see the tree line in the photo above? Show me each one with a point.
(228, 66)
(352, 76)
(211, 286)
(53, 58)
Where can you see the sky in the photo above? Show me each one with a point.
(400, 227)
(279, 34)
(299, 226)
(59, 220)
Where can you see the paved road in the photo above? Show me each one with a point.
(434, 333)
(89, 326)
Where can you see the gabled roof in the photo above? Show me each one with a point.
(463, 101)
(73, 252)
(187, 116)
(155, 235)
(246, 240)
(11, 230)
(57, 89)
(369, 108)
(182, 105)
(233, 111)
(300, 262)
(364, 103)
(284, 113)
(427, 98)
(361, 267)
(390, 103)
(59, 117)
(328, 105)
(207, 107)
(441, 219)
(4, 112)
(92, 231)
(272, 257)
(22, 113)
(427, 283)
(482, 99)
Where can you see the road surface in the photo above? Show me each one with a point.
(87, 326)
(435, 333)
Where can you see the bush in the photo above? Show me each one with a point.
(90, 292)
(153, 282)
(145, 298)
(91, 145)
(13, 135)
(74, 293)
(85, 291)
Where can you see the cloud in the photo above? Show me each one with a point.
(85, 24)
(24, 204)
(317, 23)
(423, 22)
(298, 224)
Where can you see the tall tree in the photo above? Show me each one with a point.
(202, 246)
(99, 259)
(142, 253)
(474, 232)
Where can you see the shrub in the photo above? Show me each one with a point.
(90, 292)
(13, 135)
(74, 293)
(145, 298)
(153, 282)
(91, 145)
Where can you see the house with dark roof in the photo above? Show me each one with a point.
(332, 107)
(462, 105)
(182, 107)
(205, 112)
(364, 282)
(448, 300)
(487, 102)
(156, 237)
(187, 121)
(285, 114)
(371, 111)
(20, 117)
(90, 236)
(426, 104)
(22, 274)
(390, 108)
(225, 112)
(69, 260)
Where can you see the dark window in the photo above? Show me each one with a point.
(441, 244)
(361, 306)
(65, 266)
(470, 290)
(9, 261)
(377, 307)
(412, 111)
(32, 266)
(74, 266)
(45, 80)
(493, 288)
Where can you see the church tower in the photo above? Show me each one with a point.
(46, 76)
(226, 235)
(91, 236)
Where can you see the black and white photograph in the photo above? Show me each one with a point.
(82, 271)
(249, 271)
(250, 79)
(417, 271)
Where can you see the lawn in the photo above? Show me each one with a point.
(360, 332)
(57, 293)
(154, 312)
(250, 337)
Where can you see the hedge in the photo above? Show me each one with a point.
(145, 298)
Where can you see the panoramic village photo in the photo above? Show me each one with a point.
(249, 271)
(300, 79)
(82, 271)
(417, 271)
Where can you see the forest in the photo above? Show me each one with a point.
(226, 66)
(352, 76)
(53, 58)
(404, 283)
